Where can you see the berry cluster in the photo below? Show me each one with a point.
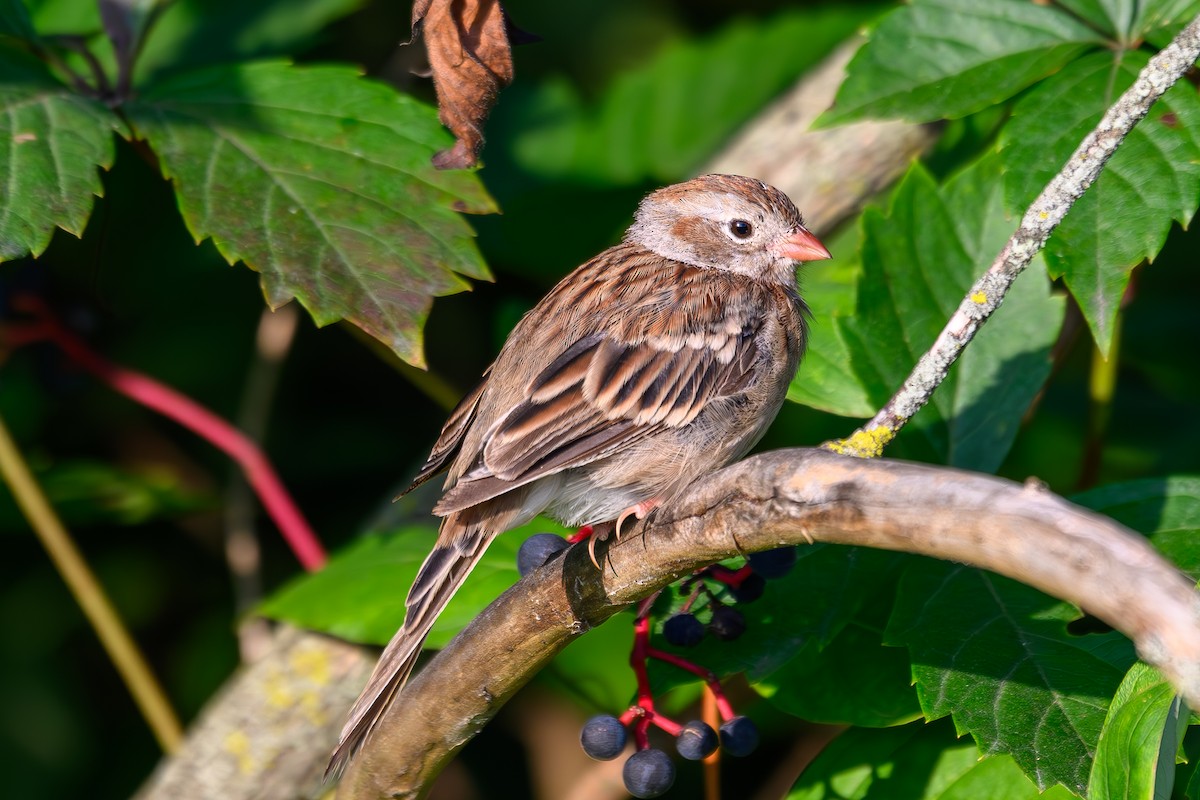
(745, 585)
(649, 772)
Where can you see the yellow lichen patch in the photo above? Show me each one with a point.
(312, 664)
(314, 708)
(278, 689)
(863, 443)
(979, 298)
(237, 744)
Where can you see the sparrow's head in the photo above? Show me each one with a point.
(726, 222)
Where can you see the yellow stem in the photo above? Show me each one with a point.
(148, 695)
(712, 762)
(1102, 385)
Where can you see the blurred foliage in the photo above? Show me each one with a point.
(616, 98)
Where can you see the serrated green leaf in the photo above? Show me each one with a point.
(995, 655)
(359, 595)
(914, 762)
(320, 180)
(1135, 759)
(1127, 21)
(918, 263)
(852, 680)
(943, 59)
(194, 33)
(1153, 179)
(805, 609)
(1163, 16)
(830, 288)
(1112, 17)
(14, 20)
(662, 119)
(55, 143)
(998, 778)
(825, 380)
(1167, 510)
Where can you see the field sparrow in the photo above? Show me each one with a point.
(656, 362)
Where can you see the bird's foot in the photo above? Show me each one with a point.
(586, 532)
(639, 510)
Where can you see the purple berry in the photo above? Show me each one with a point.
(648, 773)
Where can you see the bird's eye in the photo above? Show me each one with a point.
(741, 229)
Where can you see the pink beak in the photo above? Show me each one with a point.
(802, 246)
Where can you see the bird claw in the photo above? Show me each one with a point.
(639, 510)
(592, 551)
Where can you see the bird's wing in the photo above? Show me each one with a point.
(450, 439)
(602, 394)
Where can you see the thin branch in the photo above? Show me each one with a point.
(121, 649)
(1040, 220)
(771, 500)
(276, 332)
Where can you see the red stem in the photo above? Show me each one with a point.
(733, 578)
(145, 390)
(643, 713)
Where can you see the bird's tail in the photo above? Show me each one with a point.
(443, 572)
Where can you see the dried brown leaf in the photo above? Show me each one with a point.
(471, 60)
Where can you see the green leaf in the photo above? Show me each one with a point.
(90, 493)
(853, 680)
(1159, 16)
(1113, 17)
(913, 762)
(824, 380)
(1124, 217)
(662, 119)
(76, 17)
(1167, 510)
(596, 666)
(359, 595)
(998, 778)
(996, 655)
(194, 33)
(805, 609)
(1135, 759)
(14, 20)
(830, 289)
(56, 143)
(1192, 789)
(918, 263)
(1127, 21)
(853, 763)
(935, 59)
(320, 180)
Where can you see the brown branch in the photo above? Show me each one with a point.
(774, 499)
(269, 731)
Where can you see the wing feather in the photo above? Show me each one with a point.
(598, 396)
(450, 440)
